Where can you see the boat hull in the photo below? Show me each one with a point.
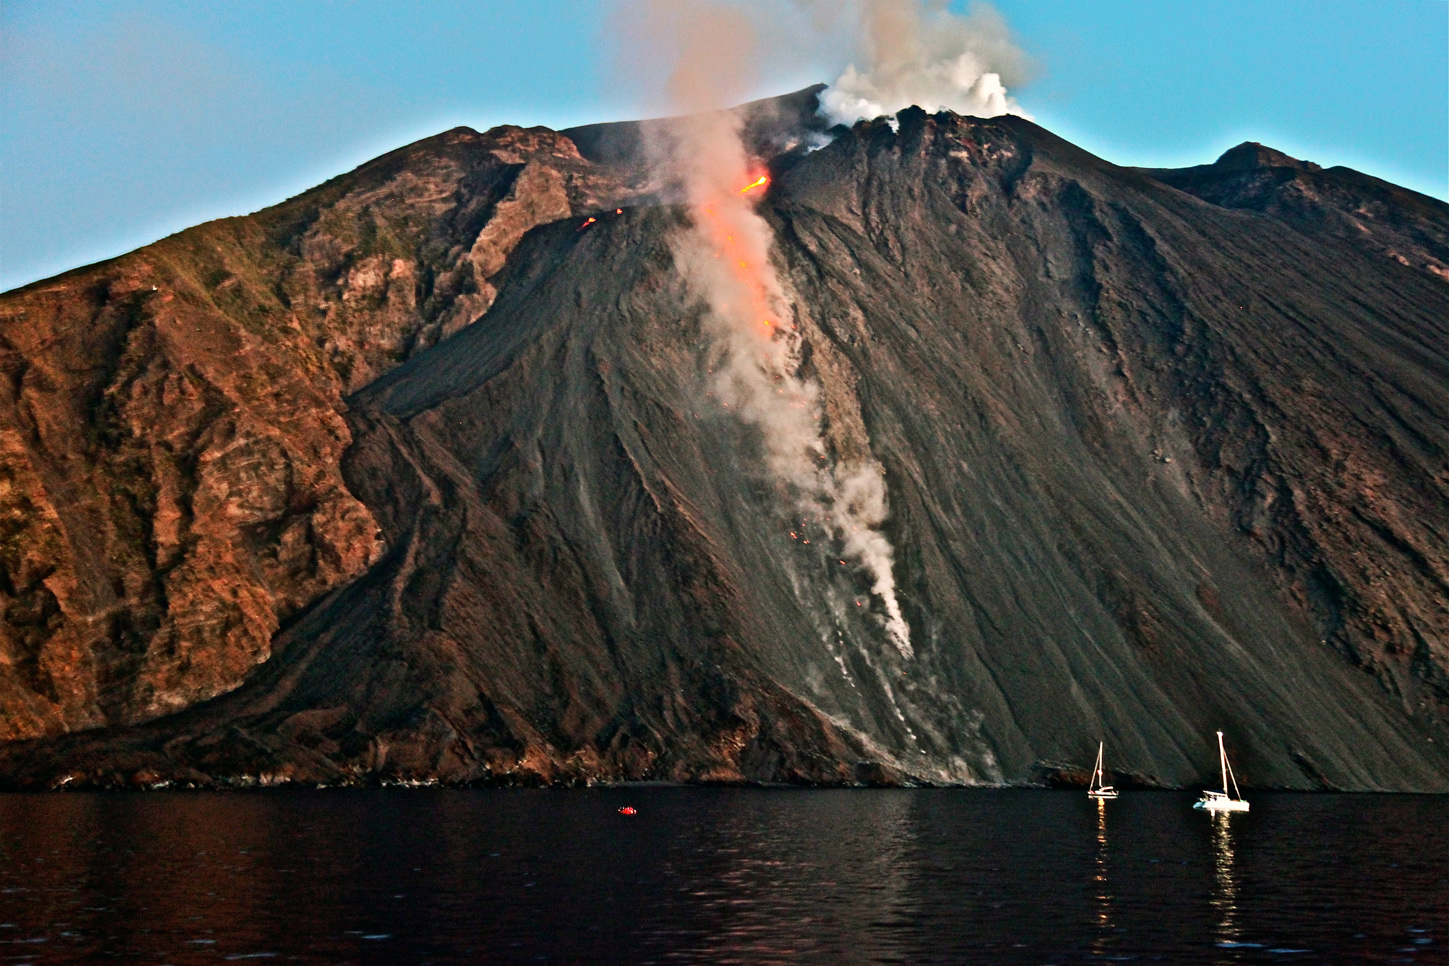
(1228, 805)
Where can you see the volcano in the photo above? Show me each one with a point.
(418, 477)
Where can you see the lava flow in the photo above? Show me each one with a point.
(758, 349)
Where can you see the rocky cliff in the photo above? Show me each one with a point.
(173, 421)
(417, 477)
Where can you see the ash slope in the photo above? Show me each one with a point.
(1358, 209)
(1156, 467)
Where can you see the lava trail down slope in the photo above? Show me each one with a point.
(412, 478)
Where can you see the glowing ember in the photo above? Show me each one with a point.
(587, 223)
(759, 182)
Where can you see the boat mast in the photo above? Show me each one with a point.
(1097, 775)
(1223, 760)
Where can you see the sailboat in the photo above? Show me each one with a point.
(1220, 801)
(1098, 789)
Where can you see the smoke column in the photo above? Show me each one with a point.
(725, 256)
(922, 54)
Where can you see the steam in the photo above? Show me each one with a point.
(725, 255)
(917, 52)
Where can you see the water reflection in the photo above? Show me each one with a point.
(1101, 889)
(714, 876)
(1225, 880)
(828, 885)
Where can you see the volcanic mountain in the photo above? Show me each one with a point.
(418, 476)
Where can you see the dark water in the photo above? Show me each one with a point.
(719, 876)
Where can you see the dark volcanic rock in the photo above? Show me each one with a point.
(1156, 467)
(1357, 209)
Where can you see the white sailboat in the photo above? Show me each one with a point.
(1221, 801)
(1098, 789)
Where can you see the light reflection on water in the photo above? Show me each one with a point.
(1106, 932)
(1225, 884)
(720, 876)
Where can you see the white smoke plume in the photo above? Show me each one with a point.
(918, 52)
(725, 255)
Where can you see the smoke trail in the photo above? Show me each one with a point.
(920, 53)
(725, 255)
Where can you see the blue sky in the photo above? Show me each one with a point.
(121, 122)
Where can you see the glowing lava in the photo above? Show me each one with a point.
(757, 355)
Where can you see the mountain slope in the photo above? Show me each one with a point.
(1156, 466)
(1362, 211)
(172, 425)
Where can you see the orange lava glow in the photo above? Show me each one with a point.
(587, 223)
(759, 182)
(721, 229)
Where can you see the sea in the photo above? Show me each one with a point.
(719, 875)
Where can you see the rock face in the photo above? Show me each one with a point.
(172, 423)
(411, 478)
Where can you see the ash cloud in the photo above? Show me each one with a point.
(725, 254)
(915, 52)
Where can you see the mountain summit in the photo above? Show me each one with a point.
(418, 477)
